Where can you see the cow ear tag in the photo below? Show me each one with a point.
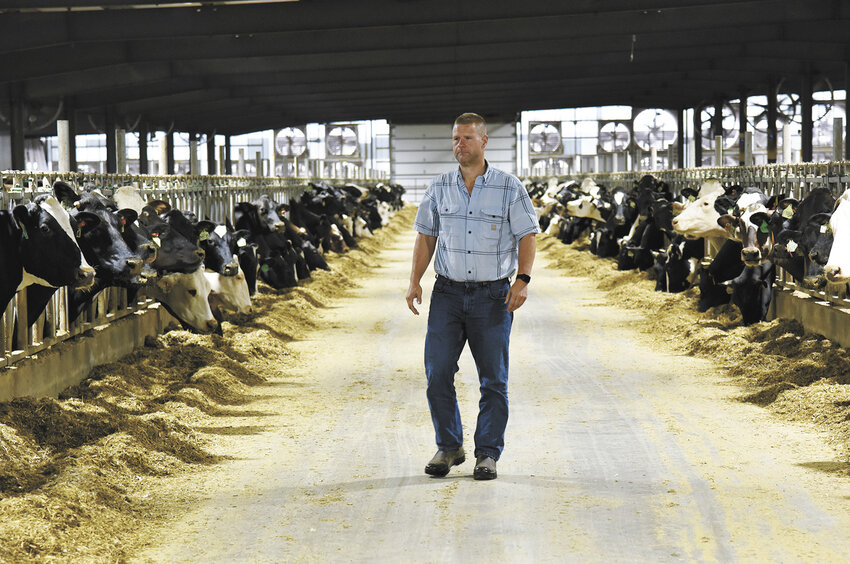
(731, 211)
(24, 231)
(241, 242)
(824, 228)
(264, 268)
(691, 199)
(204, 235)
(80, 226)
(156, 241)
(763, 228)
(791, 246)
(632, 204)
(788, 212)
(123, 223)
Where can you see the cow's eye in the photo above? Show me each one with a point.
(45, 228)
(193, 292)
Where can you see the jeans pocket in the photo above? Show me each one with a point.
(498, 291)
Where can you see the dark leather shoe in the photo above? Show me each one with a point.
(485, 468)
(443, 461)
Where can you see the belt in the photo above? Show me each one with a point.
(474, 284)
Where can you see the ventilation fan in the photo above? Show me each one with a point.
(729, 125)
(614, 136)
(654, 128)
(341, 141)
(290, 142)
(544, 138)
(788, 110)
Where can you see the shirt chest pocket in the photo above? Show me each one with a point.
(493, 219)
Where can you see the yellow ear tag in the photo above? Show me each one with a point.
(788, 212)
(691, 199)
(204, 235)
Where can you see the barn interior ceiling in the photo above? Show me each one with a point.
(244, 65)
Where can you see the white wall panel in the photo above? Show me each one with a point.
(422, 151)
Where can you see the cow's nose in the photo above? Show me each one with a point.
(201, 254)
(134, 265)
(831, 272)
(815, 256)
(212, 325)
(231, 269)
(280, 226)
(676, 222)
(84, 278)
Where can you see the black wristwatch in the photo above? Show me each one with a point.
(524, 277)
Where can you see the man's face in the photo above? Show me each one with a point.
(468, 143)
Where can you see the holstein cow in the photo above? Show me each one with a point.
(186, 297)
(38, 247)
(229, 292)
(837, 269)
(726, 265)
(175, 253)
(795, 235)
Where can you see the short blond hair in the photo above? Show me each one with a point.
(470, 117)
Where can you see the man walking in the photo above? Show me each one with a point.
(481, 223)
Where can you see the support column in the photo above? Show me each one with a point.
(143, 148)
(169, 153)
(771, 120)
(742, 128)
(163, 154)
(847, 123)
(806, 106)
(211, 168)
(193, 154)
(717, 119)
(241, 167)
(228, 165)
(222, 158)
(111, 148)
(16, 132)
(63, 135)
(71, 117)
(697, 136)
(837, 142)
(121, 151)
(680, 138)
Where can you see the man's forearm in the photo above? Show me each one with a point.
(527, 250)
(423, 250)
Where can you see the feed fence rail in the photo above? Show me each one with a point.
(792, 179)
(211, 197)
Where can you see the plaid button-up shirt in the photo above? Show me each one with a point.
(478, 234)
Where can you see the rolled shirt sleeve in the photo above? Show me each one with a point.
(521, 214)
(427, 219)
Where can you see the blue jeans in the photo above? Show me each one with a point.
(477, 313)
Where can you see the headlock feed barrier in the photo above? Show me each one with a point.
(212, 197)
(793, 180)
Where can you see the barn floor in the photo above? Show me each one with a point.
(619, 448)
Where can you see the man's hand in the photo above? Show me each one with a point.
(517, 295)
(414, 292)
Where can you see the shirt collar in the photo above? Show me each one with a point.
(486, 174)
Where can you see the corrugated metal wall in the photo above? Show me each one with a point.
(420, 152)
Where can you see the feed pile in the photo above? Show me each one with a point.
(76, 472)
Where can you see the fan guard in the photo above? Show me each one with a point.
(290, 142)
(614, 136)
(654, 128)
(544, 138)
(341, 141)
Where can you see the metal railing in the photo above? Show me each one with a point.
(211, 197)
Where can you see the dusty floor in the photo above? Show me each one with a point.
(301, 435)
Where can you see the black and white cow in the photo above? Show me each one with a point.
(38, 247)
